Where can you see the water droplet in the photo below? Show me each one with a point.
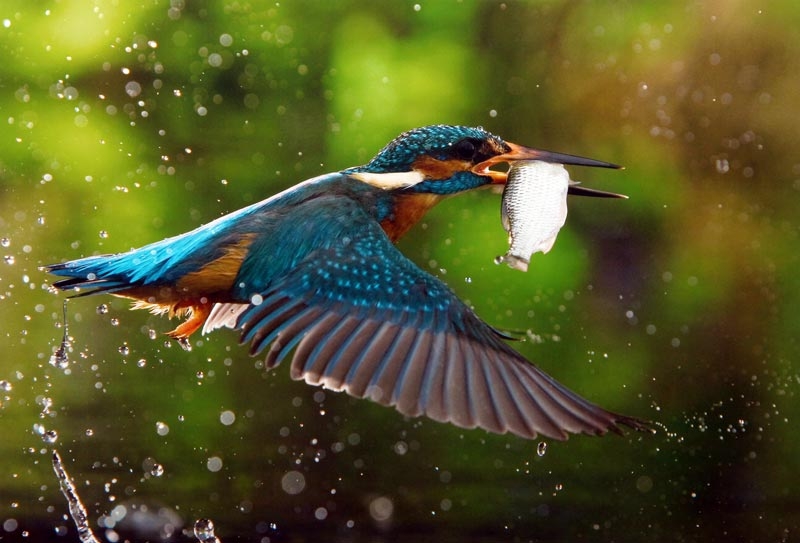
(60, 359)
(9, 259)
(124, 350)
(722, 165)
(401, 448)
(381, 509)
(214, 464)
(46, 404)
(89, 432)
(133, 88)
(227, 417)
(50, 437)
(541, 448)
(102, 309)
(141, 363)
(293, 482)
(40, 219)
(152, 334)
(185, 344)
(5, 386)
(162, 428)
(204, 530)
(103, 234)
(5, 242)
(157, 470)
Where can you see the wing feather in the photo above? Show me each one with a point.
(431, 390)
(291, 335)
(331, 350)
(360, 374)
(408, 387)
(305, 362)
(366, 320)
(457, 402)
(353, 354)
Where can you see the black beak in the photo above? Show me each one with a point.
(577, 190)
(520, 152)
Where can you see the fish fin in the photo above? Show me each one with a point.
(513, 261)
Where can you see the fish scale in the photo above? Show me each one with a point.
(534, 209)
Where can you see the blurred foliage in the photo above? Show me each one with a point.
(128, 122)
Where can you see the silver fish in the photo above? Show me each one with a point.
(534, 209)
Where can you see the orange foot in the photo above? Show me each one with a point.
(197, 316)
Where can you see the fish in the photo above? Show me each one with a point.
(533, 209)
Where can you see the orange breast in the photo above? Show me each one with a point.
(408, 210)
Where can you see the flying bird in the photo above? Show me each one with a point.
(314, 270)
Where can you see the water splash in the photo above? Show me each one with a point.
(185, 344)
(76, 509)
(204, 531)
(60, 358)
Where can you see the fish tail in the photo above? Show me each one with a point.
(513, 261)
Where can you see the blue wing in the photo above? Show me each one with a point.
(365, 319)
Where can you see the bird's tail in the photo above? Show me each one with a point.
(95, 273)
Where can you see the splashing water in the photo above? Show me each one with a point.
(76, 509)
(60, 358)
(204, 531)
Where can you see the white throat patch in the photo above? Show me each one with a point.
(389, 181)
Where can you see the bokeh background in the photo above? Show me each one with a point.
(126, 122)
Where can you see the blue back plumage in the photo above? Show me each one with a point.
(166, 261)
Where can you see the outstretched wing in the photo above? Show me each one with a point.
(366, 320)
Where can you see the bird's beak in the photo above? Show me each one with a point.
(520, 152)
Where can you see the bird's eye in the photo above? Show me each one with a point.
(464, 149)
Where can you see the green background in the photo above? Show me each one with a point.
(127, 122)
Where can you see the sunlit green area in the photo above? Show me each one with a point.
(127, 122)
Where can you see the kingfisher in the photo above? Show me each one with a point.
(314, 271)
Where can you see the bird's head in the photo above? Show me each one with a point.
(445, 159)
